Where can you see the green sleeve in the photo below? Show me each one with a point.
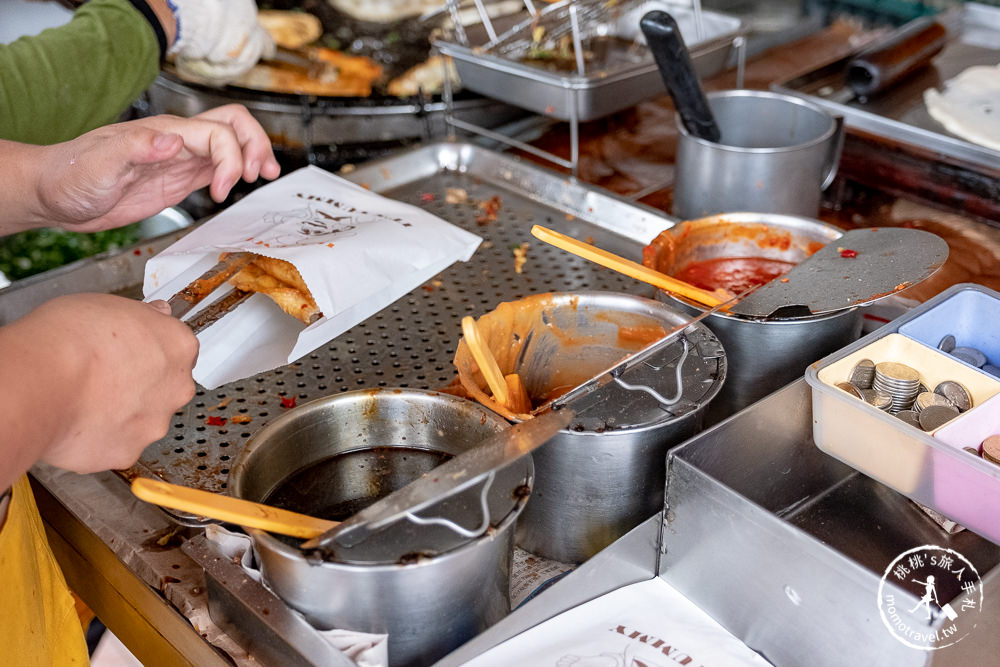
(68, 80)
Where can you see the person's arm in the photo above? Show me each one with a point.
(125, 172)
(90, 380)
(67, 80)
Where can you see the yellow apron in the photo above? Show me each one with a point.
(39, 624)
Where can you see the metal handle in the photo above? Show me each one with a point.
(836, 148)
(660, 398)
(454, 527)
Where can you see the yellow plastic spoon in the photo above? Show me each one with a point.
(626, 266)
(234, 510)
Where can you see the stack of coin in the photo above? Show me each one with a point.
(898, 380)
(863, 374)
(991, 449)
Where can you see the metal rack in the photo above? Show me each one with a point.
(585, 94)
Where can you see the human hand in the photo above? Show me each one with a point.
(113, 373)
(218, 40)
(125, 172)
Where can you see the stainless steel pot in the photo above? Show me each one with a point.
(602, 476)
(428, 588)
(777, 154)
(764, 355)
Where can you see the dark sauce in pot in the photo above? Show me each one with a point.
(339, 486)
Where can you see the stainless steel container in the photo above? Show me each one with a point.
(603, 475)
(427, 587)
(763, 354)
(777, 154)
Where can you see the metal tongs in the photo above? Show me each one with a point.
(198, 290)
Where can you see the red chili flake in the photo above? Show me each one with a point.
(488, 210)
(847, 252)
(214, 420)
(550, 109)
(288, 401)
(136, 252)
(426, 196)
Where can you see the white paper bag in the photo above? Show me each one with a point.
(357, 252)
(648, 623)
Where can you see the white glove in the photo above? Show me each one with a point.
(218, 40)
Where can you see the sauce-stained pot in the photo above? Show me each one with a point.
(604, 474)
(428, 587)
(764, 354)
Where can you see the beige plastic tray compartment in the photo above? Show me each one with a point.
(876, 442)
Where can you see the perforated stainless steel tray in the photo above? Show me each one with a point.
(410, 343)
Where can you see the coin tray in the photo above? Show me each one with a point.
(925, 468)
(970, 316)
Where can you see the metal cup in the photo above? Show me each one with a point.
(776, 155)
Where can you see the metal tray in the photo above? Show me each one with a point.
(410, 343)
(781, 544)
(602, 92)
(899, 113)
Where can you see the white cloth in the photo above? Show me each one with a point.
(218, 40)
(367, 650)
(648, 623)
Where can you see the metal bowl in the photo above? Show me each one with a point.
(355, 447)
(602, 476)
(764, 354)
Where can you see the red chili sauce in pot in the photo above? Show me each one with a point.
(734, 274)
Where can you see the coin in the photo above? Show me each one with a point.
(947, 344)
(957, 394)
(991, 448)
(970, 355)
(973, 451)
(862, 374)
(936, 416)
(850, 389)
(910, 417)
(927, 399)
(882, 401)
(992, 370)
